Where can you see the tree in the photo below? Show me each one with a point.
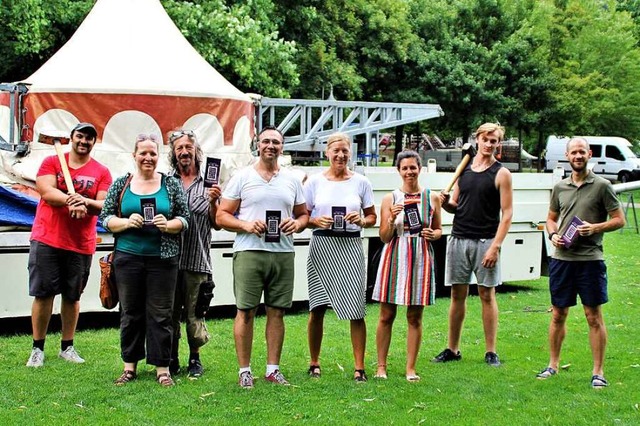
(455, 60)
(247, 51)
(597, 66)
(350, 45)
(34, 30)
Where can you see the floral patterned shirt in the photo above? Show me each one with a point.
(178, 209)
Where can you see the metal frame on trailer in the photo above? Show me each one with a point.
(308, 123)
(16, 92)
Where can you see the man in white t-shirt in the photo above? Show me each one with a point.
(264, 205)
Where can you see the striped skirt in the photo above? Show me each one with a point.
(336, 275)
(406, 274)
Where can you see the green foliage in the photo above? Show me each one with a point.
(248, 51)
(350, 45)
(537, 66)
(33, 31)
(245, 49)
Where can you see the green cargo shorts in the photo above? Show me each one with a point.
(255, 272)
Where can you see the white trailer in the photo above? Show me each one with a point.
(523, 253)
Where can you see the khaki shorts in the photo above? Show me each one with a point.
(464, 257)
(255, 272)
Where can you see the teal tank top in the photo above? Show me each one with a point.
(146, 240)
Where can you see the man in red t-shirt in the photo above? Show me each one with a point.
(63, 240)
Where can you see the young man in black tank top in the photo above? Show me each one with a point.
(482, 206)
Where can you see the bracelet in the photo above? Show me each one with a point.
(551, 235)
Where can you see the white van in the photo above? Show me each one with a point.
(611, 157)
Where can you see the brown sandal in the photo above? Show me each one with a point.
(165, 380)
(126, 377)
(360, 376)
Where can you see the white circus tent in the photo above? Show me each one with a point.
(129, 70)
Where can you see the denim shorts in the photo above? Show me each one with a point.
(567, 279)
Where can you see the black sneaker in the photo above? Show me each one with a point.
(174, 367)
(195, 368)
(447, 355)
(492, 359)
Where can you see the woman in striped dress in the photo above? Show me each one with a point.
(410, 220)
(340, 204)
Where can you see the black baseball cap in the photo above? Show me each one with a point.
(86, 128)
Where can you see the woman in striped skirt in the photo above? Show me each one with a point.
(340, 204)
(410, 220)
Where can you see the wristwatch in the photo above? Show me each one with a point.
(551, 236)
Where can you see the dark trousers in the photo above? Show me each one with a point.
(146, 286)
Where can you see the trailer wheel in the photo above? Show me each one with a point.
(624, 177)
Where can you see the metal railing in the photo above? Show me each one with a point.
(628, 205)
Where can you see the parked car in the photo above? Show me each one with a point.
(611, 157)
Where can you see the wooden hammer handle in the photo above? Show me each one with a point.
(458, 172)
(65, 168)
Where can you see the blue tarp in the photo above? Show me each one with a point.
(18, 209)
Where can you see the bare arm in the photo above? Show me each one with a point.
(225, 218)
(319, 222)
(368, 219)
(47, 187)
(171, 226)
(552, 228)
(119, 224)
(214, 199)
(298, 222)
(616, 221)
(504, 185)
(388, 214)
(449, 202)
(434, 232)
(95, 206)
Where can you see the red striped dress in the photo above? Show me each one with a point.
(406, 273)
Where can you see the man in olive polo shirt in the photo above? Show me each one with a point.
(583, 207)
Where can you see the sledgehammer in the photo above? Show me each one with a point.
(55, 139)
(468, 152)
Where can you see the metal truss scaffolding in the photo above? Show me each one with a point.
(308, 123)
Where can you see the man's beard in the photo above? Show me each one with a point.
(580, 168)
(183, 167)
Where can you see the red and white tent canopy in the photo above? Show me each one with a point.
(129, 70)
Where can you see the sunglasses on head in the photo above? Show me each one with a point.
(151, 136)
(180, 133)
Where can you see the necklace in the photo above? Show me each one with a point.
(479, 168)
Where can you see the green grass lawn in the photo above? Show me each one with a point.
(463, 393)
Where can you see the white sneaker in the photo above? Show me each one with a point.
(71, 355)
(36, 359)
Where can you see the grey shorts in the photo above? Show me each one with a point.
(464, 257)
(55, 271)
